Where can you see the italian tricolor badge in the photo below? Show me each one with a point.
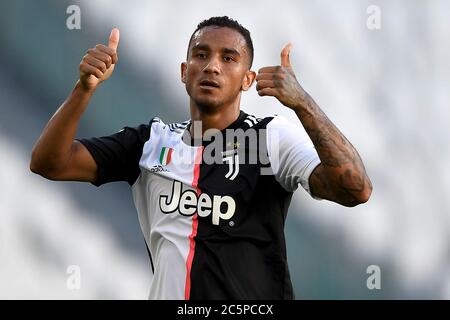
(165, 155)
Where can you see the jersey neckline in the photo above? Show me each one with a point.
(188, 140)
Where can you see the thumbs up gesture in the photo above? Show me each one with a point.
(98, 63)
(280, 81)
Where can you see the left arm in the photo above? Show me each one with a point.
(341, 176)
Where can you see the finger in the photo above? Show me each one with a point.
(111, 52)
(114, 37)
(271, 69)
(267, 92)
(285, 61)
(267, 76)
(96, 63)
(261, 84)
(86, 68)
(264, 76)
(106, 58)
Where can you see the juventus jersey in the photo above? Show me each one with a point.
(213, 230)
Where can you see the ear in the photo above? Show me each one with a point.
(249, 78)
(183, 72)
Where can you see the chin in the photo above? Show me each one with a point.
(206, 105)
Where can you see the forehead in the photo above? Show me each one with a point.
(219, 38)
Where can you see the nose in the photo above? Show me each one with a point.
(213, 66)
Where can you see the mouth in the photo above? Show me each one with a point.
(209, 84)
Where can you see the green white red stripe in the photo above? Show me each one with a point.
(165, 155)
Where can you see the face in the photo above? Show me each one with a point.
(217, 69)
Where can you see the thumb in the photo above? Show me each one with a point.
(114, 39)
(285, 62)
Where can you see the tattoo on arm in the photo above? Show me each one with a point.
(341, 176)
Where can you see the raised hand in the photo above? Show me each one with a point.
(280, 81)
(98, 63)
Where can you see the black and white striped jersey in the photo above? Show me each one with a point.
(214, 229)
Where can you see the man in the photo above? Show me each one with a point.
(214, 230)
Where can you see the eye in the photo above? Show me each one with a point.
(200, 55)
(228, 58)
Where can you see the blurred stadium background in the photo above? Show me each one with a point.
(387, 90)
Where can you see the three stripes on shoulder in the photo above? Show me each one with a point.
(252, 120)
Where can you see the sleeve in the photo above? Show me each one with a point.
(291, 153)
(117, 156)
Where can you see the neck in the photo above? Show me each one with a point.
(219, 119)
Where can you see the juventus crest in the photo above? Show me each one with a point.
(232, 158)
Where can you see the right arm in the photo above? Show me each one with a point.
(56, 155)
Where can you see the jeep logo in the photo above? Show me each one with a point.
(188, 202)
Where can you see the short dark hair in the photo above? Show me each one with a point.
(229, 23)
